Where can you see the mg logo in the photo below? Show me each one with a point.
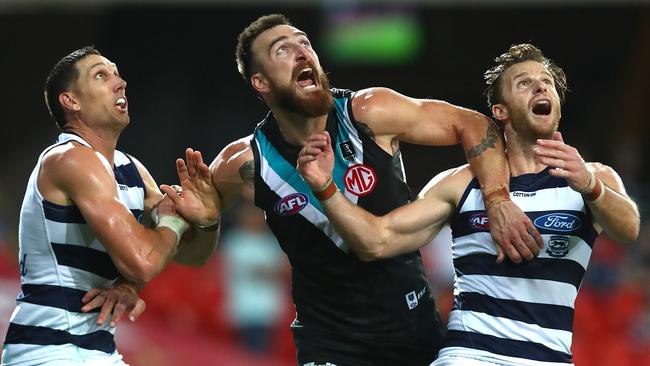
(291, 204)
(360, 179)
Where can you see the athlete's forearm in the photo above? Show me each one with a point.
(617, 214)
(197, 245)
(483, 145)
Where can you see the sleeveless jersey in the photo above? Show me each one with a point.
(60, 260)
(519, 313)
(335, 293)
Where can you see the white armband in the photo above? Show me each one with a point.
(175, 224)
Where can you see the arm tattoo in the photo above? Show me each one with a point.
(489, 142)
(367, 130)
(247, 172)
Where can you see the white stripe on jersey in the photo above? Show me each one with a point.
(45, 271)
(55, 318)
(457, 356)
(80, 235)
(549, 199)
(63, 355)
(471, 321)
(519, 289)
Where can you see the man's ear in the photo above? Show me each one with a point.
(500, 112)
(260, 83)
(69, 101)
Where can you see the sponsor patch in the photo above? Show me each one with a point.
(561, 222)
(347, 150)
(360, 179)
(479, 221)
(558, 246)
(291, 204)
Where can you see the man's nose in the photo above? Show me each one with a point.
(540, 86)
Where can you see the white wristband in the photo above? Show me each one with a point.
(174, 223)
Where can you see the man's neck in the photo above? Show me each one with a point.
(104, 142)
(521, 157)
(296, 128)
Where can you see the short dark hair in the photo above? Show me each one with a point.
(245, 40)
(517, 54)
(61, 78)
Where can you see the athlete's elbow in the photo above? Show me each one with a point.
(140, 271)
(627, 234)
(632, 233)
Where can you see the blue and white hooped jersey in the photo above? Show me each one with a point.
(335, 293)
(519, 314)
(60, 260)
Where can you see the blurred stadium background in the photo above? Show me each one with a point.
(184, 90)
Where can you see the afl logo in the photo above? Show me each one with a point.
(479, 221)
(291, 204)
(562, 222)
(360, 179)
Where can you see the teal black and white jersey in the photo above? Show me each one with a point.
(60, 260)
(336, 295)
(519, 314)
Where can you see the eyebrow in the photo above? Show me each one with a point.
(520, 74)
(525, 73)
(102, 64)
(281, 38)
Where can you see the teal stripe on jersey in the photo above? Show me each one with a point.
(285, 170)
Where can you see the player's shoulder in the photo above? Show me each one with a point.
(234, 155)
(451, 182)
(459, 175)
(70, 157)
(371, 99)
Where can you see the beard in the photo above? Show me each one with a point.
(317, 103)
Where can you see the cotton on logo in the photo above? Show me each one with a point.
(360, 179)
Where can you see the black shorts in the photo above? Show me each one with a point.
(344, 350)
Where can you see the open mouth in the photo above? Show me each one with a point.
(542, 107)
(306, 78)
(121, 103)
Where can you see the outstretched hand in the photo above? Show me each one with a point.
(316, 160)
(198, 200)
(514, 234)
(114, 302)
(566, 161)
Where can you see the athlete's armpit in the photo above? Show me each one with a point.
(367, 130)
(489, 142)
(247, 172)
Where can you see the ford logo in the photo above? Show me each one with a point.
(291, 204)
(562, 222)
(479, 221)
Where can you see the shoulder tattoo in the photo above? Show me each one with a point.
(247, 172)
(488, 142)
(367, 130)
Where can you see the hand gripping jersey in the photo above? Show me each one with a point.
(335, 293)
(60, 260)
(519, 313)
